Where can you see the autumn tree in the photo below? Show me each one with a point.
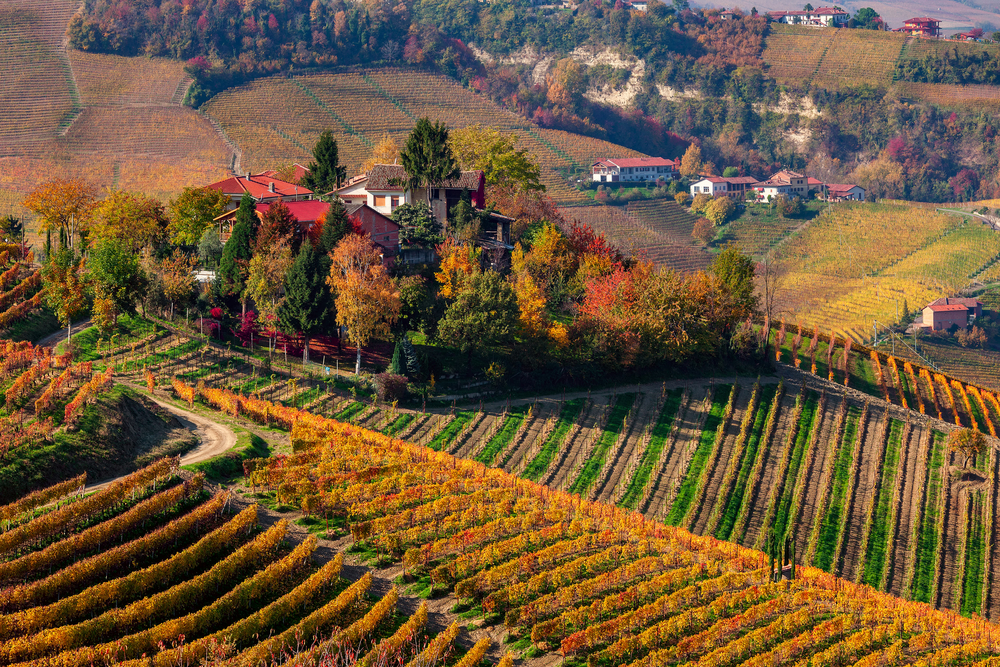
(736, 271)
(881, 178)
(65, 287)
(277, 226)
(567, 83)
(719, 210)
(177, 280)
(386, 151)
(483, 315)
(967, 442)
(210, 248)
(367, 301)
(265, 278)
(504, 166)
(306, 308)
(193, 212)
(703, 230)
(691, 162)
(63, 205)
(458, 264)
(136, 220)
(427, 157)
(119, 281)
(325, 171)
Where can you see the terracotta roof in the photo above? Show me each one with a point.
(392, 177)
(967, 302)
(637, 162)
(259, 186)
(814, 181)
(841, 187)
(921, 19)
(950, 308)
(309, 210)
(739, 180)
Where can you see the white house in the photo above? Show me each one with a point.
(845, 192)
(823, 17)
(384, 188)
(735, 186)
(788, 183)
(633, 169)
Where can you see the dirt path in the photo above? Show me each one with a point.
(686, 437)
(731, 434)
(909, 507)
(775, 450)
(822, 455)
(214, 438)
(643, 415)
(869, 477)
(57, 337)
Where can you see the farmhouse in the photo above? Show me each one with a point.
(384, 188)
(844, 192)
(940, 318)
(265, 186)
(633, 169)
(975, 306)
(788, 183)
(735, 186)
(823, 17)
(922, 26)
(307, 213)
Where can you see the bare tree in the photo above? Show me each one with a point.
(770, 276)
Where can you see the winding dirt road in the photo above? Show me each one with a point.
(215, 439)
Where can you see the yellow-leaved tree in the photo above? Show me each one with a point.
(266, 278)
(458, 264)
(366, 297)
(386, 151)
(63, 204)
(691, 162)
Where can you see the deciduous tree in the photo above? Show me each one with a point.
(63, 205)
(193, 212)
(278, 226)
(736, 271)
(719, 210)
(458, 264)
(65, 287)
(367, 300)
(118, 278)
(266, 277)
(417, 226)
(691, 162)
(967, 442)
(497, 156)
(133, 218)
(386, 151)
(175, 274)
(483, 315)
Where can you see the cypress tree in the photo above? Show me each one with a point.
(247, 214)
(306, 308)
(412, 363)
(236, 253)
(396, 365)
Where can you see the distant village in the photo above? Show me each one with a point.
(783, 183)
(835, 17)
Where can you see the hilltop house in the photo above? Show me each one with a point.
(941, 314)
(384, 189)
(922, 26)
(734, 186)
(788, 183)
(823, 17)
(844, 192)
(265, 186)
(633, 169)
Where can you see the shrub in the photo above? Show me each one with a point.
(719, 210)
(682, 198)
(390, 387)
(703, 231)
(700, 202)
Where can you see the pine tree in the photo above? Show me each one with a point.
(325, 173)
(237, 252)
(247, 214)
(306, 308)
(427, 157)
(336, 226)
(396, 365)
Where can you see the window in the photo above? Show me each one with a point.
(380, 200)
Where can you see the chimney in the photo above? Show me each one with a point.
(270, 186)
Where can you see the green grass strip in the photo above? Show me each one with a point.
(567, 417)
(685, 494)
(833, 518)
(657, 440)
(351, 411)
(975, 558)
(929, 539)
(451, 431)
(875, 558)
(800, 447)
(502, 438)
(594, 464)
(400, 423)
(750, 453)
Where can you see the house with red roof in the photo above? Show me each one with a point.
(308, 213)
(384, 188)
(921, 26)
(844, 192)
(944, 313)
(384, 232)
(264, 186)
(636, 169)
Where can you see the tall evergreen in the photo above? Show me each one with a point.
(238, 250)
(325, 173)
(427, 157)
(335, 227)
(306, 308)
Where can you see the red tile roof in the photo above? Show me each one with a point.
(840, 187)
(309, 210)
(968, 302)
(259, 186)
(637, 162)
(950, 308)
(921, 19)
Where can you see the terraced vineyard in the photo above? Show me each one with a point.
(794, 53)
(652, 229)
(859, 262)
(277, 120)
(856, 57)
